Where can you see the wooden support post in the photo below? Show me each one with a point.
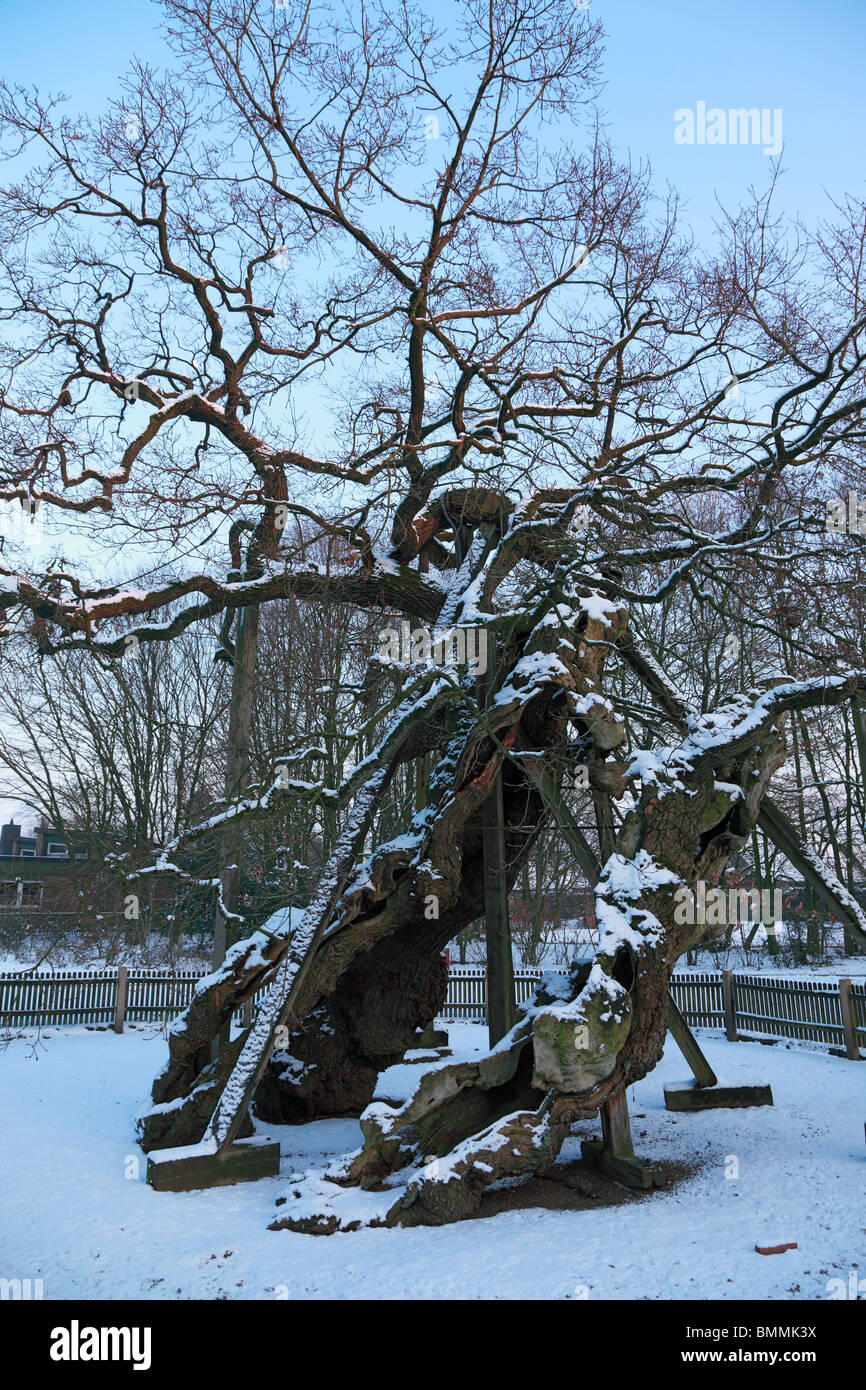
(615, 1127)
(500, 970)
(120, 1001)
(614, 1155)
(829, 891)
(236, 778)
(858, 709)
(688, 1095)
(501, 1005)
(555, 803)
(849, 1022)
(729, 1005)
(705, 1093)
(688, 1046)
(603, 805)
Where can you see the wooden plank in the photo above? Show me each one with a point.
(501, 1006)
(614, 1155)
(688, 1046)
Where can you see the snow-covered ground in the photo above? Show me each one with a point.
(75, 1210)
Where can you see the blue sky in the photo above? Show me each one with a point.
(662, 55)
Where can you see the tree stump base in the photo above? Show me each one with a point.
(688, 1095)
(632, 1172)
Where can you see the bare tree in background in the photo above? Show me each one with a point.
(118, 757)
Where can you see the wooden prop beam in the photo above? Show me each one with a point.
(613, 1154)
(501, 999)
(688, 1046)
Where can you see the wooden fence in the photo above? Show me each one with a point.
(832, 1012)
(824, 1011)
(92, 997)
(467, 992)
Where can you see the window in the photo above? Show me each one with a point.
(27, 854)
(57, 851)
(31, 895)
(8, 893)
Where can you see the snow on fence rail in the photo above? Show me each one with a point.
(824, 1011)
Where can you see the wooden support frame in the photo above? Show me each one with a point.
(236, 779)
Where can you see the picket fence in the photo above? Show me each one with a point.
(824, 1011)
(91, 997)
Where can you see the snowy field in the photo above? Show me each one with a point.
(75, 1210)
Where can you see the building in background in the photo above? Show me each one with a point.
(34, 869)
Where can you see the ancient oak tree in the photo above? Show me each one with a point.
(348, 309)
